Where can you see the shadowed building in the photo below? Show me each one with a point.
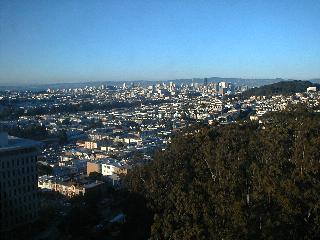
(18, 182)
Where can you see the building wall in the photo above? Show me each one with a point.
(18, 188)
(70, 189)
(93, 167)
(121, 171)
(108, 170)
(90, 145)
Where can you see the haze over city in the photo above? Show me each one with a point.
(77, 41)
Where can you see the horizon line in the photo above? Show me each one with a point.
(7, 84)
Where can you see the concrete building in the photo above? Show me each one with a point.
(106, 167)
(18, 182)
(93, 167)
(91, 145)
(311, 89)
(111, 168)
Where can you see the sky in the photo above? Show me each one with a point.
(74, 41)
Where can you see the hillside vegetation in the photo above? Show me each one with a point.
(237, 181)
(284, 87)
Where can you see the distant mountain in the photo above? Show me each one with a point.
(316, 80)
(283, 87)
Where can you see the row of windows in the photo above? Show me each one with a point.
(17, 206)
(18, 162)
(18, 171)
(18, 181)
(10, 220)
(17, 192)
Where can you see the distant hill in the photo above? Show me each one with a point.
(316, 80)
(283, 87)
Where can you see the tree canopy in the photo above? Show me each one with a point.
(284, 88)
(237, 181)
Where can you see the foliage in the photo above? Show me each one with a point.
(32, 131)
(79, 220)
(95, 176)
(237, 181)
(62, 136)
(44, 169)
(284, 87)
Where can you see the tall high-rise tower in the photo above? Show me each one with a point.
(205, 82)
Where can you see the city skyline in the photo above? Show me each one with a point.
(78, 41)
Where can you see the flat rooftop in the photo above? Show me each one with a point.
(15, 143)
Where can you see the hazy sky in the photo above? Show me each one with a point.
(63, 41)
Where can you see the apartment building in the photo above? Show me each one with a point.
(106, 167)
(69, 188)
(18, 182)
